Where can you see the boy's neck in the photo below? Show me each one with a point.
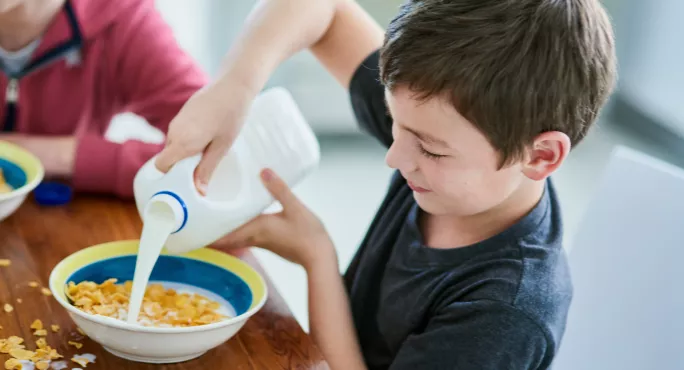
(27, 22)
(445, 231)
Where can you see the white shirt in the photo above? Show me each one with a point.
(14, 61)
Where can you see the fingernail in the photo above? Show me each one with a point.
(267, 175)
(202, 187)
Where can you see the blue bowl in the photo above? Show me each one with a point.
(220, 276)
(22, 171)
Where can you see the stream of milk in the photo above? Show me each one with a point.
(158, 225)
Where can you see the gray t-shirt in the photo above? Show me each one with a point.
(13, 62)
(498, 304)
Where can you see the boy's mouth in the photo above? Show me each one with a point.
(415, 188)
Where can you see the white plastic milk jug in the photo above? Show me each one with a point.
(275, 135)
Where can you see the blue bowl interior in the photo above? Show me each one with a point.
(14, 175)
(173, 269)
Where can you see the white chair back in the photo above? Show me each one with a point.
(627, 264)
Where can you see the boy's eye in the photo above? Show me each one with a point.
(429, 154)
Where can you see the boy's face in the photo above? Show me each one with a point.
(450, 165)
(7, 5)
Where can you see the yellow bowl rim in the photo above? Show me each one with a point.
(30, 185)
(122, 325)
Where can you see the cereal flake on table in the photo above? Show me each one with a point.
(83, 359)
(40, 333)
(33, 284)
(41, 343)
(5, 262)
(39, 359)
(46, 291)
(8, 308)
(54, 327)
(36, 324)
(161, 307)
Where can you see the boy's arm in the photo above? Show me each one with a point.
(338, 32)
(330, 318)
(297, 235)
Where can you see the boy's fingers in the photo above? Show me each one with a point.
(279, 190)
(253, 233)
(171, 154)
(210, 160)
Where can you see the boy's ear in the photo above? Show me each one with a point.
(545, 155)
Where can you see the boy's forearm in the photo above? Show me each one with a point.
(338, 32)
(274, 31)
(330, 319)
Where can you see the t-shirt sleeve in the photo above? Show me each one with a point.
(476, 335)
(368, 100)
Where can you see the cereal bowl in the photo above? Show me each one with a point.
(222, 278)
(22, 171)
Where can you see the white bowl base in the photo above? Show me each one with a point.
(153, 360)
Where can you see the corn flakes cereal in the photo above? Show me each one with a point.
(41, 343)
(161, 307)
(4, 186)
(21, 354)
(42, 365)
(81, 360)
(40, 357)
(5, 262)
(46, 291)
(46, 354)
(33, 284)
(13, 364)
(40, 332)
(8, 308)
(76, 344)
(13, 342)
(37, 325)
(19, 300)
(54, 327)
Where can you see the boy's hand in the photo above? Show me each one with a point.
(295, 233)
(56, 153)
(208, 123)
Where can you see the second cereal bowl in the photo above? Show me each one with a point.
(238, 288)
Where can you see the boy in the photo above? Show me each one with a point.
(69, 66)
(479, 101)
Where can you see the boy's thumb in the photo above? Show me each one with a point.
(279, 189)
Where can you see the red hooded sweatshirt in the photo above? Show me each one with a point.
(99, 58)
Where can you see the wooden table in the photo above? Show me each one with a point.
(36, 238)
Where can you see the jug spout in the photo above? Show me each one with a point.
(167, 206)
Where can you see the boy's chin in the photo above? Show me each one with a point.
(430, 204)
(436, 206)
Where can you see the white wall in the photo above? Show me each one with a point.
(651, 58)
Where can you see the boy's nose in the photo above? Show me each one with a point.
(400, 158)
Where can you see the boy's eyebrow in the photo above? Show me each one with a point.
(427, 137)
(420, 135)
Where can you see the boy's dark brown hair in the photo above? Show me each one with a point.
(514, 68)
